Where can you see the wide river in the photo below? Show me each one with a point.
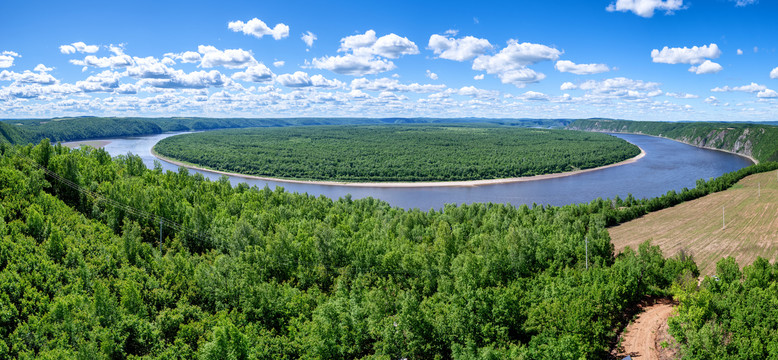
(668, 165)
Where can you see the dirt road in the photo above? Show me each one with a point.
(640, 338)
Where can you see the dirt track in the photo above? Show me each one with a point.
(640, 337)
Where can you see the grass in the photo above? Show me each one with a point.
(696, 226)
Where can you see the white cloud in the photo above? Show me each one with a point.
(432, 75)
(80, 47)
(42, 68)
(534, 95)
(149, 68)
(461, 49)
(752, 88)
(510, 64)
(389, 46)
(739, 52)
(645, 8)
(113, 62)
(301, 79)
(682, 95)
(7, 59)
(741, 3)
(279, 63)
(258, 28)
(28, 77)
(387, 84)
(186, 57)
(622, 88)
(774, 73)
(707, 67)
(478, 77)
(308, 38)
(711, 100)
(767, 94)
(475, 92)
(194, 80)
(580, 69)
(127, 89)
(229, 58)
(257, 73)
(694, 55)
(568, 86)
(105, 81)
(351, 64)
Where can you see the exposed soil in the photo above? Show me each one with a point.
(643, 338)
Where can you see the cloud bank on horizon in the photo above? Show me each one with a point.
(613, 60)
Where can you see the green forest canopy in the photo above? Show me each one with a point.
(397, 152)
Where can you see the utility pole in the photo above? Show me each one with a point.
(160, 236)
(723, 222)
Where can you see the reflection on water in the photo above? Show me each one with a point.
(668, 165)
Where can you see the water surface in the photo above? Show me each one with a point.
(668, 165)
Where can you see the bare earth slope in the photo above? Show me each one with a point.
(641, 338)
(751, 217)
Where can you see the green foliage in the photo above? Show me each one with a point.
(261, 273)
(757, 140)
(397, 153)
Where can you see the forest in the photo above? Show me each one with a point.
(397, 152)
(249, 273)
(756, 140)
(90, 127)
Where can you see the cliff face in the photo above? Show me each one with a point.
(759, 142)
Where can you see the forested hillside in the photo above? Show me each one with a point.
(397, 152)
(755, 140)
(82, 128)
(260, 273)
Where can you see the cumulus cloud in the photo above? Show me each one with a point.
(534, 95)
(432, 75)
(475, 92)
(510, 64)
(28, 77)
(478, 77)
(682, 95)
(194, 80)
(149, 68)
(258, 28)
(645, 8)
(113, 62)
(694, 55)
(580, 69)
(622, 88)
(257, 73)
(712, 100)
(568, 86)
(105, 81)
(739, 52)
(229, 58)
(365, 54)
(389, 46)
(308, 38)
(741, 3)
(752, 88)
(301, 79)
(387, 84)
(7, 59)
(42, 68)
(774, 73)
(767, 94)
(461, 49)
(707, 67)
(186, 57)
(78, 47)
(279, 63)
(351, 64)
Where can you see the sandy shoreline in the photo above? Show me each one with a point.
(92, 143)
(407, 184)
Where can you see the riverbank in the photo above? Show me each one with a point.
(93, 143)
(421, 184)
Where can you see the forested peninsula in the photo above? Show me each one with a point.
(389, 153)
(758, 141)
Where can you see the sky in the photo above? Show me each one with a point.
(656, 60)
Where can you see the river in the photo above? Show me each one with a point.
(668, 165)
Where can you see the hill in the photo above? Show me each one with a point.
(758, 141)
(751, 215)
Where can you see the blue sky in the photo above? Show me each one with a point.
(632, 59)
